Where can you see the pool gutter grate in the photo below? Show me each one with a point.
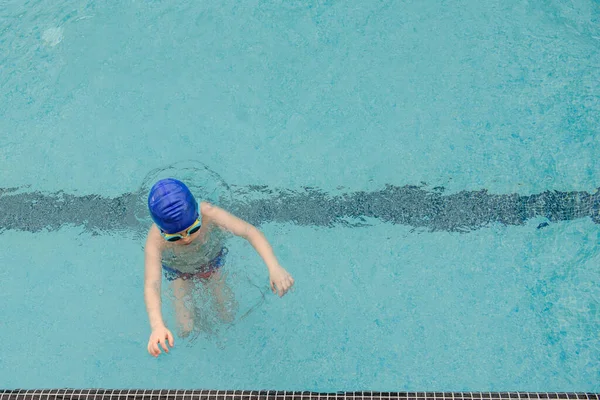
(141, 394)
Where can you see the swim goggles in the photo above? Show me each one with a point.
(173, 237)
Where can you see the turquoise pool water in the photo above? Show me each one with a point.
(450, 105)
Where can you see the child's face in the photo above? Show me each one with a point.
(185, 236)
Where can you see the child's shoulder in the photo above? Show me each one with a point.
(206, 208)
(154, 238)
(210, 213)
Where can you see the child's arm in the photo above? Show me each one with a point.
(281, 280)
(152, 280)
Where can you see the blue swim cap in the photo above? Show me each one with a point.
(172, 206)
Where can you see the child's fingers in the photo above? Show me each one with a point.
(155, 349)
(170, 338)
(284, 287)
(163, 343)
(151, 348)
(273, 287)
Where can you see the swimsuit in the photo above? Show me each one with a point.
(205, 271)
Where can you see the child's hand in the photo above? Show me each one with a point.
(281, 281)
(159, 335)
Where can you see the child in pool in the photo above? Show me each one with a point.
(184, 242)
